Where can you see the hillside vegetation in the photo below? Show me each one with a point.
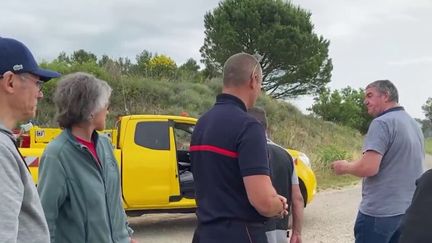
(322, 141)
(428, 145)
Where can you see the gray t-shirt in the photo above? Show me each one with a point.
(397, 137)
(21, 215)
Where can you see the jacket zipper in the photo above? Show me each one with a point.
(100, 169)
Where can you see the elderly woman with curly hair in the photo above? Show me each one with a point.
(79, 182)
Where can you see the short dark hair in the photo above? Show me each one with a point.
(385, 87)
(238, 69)
(259, 114)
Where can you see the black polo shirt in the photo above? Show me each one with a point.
(281, 170)
(227, 145)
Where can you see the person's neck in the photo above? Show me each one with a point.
(7, 118)
(390, 106)
(239, 94)
(82, 131)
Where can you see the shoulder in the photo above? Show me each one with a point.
(425, 179)
(7, 149)
(392, 116)
(379, 124)
(7, 145)
(56, 146)
(104, 139)
(275, 150)
(8, 157)
(250, 122)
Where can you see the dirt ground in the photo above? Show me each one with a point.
(328, 219)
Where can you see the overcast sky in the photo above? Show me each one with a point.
(369, 39)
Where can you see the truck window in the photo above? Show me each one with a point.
(153, 135)
(183, 133)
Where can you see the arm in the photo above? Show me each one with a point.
(11, 193)
(297, 213)
(52, 189)
(367, 165)
(263, 196)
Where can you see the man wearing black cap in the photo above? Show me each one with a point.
(21, 215)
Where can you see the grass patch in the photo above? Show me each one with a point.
(428, 145)
(327, 179)
(324, 156)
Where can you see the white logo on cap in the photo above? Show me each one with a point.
(17, 67)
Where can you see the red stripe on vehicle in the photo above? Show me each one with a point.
(214, 149)
(31, 161)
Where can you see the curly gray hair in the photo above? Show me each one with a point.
(78, 96)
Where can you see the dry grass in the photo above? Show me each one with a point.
(428, 145)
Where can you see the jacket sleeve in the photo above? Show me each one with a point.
(11, 194)
(52, 189)
(129, 229)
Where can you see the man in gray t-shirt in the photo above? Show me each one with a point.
(393, 155)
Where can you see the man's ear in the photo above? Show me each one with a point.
(386, 97)
(252, 82)
(7, 82)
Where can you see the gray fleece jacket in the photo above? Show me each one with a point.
(21, 215)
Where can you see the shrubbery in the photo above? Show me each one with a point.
(135, 93)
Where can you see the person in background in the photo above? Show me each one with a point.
(416, 223)
(22, 136)
(79, 180)
(21, 215)
(393, 156)
(286, 183)
(228, 152)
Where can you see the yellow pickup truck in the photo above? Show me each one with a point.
(153, 156)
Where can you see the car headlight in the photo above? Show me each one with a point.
(303, 157)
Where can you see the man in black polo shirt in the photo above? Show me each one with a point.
(234, 193)
(286, 183)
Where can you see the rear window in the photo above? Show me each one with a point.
(153, 135)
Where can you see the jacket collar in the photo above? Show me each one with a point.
(230, 99)
(71, 138)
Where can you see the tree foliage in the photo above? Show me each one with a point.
(81, 56)
(294, 59)
(143, 60)
(426, 126)
(190, 66)
(189, 71)
(427, 109)
(344, 107)
(162, 66)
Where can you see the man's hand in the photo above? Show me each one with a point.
(295, 238)
(133, 240)
(339, 167)
(284, 212)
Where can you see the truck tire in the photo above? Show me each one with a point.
(303, 191)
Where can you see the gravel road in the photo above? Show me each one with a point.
(328, 219)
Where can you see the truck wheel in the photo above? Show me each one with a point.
(303, 191)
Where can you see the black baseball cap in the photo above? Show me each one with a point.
(17, 58)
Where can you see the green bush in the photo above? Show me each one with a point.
(322, 141)
(328, 154)
(428, 145)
